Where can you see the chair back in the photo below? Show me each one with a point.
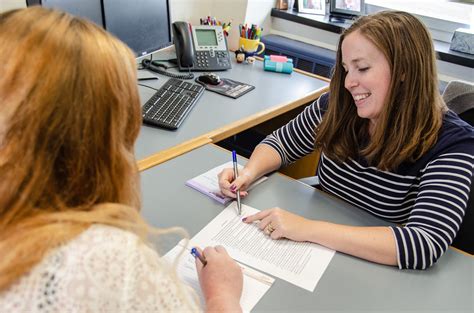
(465, 238)
(459, 97)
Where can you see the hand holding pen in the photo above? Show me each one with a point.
(228, 185)
(198, 256)
(220, 278)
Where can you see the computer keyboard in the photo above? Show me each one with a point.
(170, 104)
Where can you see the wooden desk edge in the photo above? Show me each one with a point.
(172, 152)
(312, 75)
(462, 251)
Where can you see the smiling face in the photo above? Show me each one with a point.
(367, 75)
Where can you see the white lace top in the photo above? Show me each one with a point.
(104, 269)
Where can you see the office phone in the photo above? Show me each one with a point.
(200, 48)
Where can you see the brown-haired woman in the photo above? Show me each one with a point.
(71, 238)
(389, 146)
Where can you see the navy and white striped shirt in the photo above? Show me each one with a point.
(429, 197)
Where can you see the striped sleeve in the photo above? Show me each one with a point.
(296, 139)
(438, 211)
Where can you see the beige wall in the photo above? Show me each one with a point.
(237, 11)
(6, 5)
(224, 10)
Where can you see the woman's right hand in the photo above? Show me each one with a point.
(229, 186)
(221, 280)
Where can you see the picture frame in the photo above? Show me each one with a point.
(312, 6)
(282, 4)
(347, 8)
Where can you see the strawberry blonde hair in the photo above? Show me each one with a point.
(412, 115)
(69, 115)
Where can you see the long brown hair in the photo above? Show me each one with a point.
(412, 113)
(70, 115)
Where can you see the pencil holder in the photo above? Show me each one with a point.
(251, 46)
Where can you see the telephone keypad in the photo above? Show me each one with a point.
(211, 60)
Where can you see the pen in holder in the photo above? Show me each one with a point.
(249, 43)
(209, 20)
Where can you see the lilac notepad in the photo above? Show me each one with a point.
(208, 184)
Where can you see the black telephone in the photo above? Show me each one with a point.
(200, 48)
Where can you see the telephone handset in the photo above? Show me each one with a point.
(183, 44)
(200, 48)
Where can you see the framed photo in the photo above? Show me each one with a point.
(282, 4)
(347, 7)
(312, 6)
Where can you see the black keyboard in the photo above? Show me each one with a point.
(170, 104)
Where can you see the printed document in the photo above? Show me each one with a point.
(255, 284)
(208, 183)
(299, 263)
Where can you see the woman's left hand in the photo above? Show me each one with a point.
(278, 223)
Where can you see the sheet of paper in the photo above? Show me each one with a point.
(300, 263)
(255, 284)
(208, 183)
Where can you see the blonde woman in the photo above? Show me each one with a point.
(389, 146)
(71, 238)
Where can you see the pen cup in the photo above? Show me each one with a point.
(252, 45)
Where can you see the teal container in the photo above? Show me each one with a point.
(280, 67)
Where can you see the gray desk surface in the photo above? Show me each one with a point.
(348, 284)
(213, 111)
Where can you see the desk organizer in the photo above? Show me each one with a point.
(278, 63)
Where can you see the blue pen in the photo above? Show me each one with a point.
(236, 174)
(196, 254)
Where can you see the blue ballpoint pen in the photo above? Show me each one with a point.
(236, 174)
(196, 254)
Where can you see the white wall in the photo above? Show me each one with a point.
(6, 5)
(237, 11)
(308, 34)
(223, 10)
(258, 12)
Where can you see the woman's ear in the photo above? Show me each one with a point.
(402, 78)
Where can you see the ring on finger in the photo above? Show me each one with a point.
(269, 229)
